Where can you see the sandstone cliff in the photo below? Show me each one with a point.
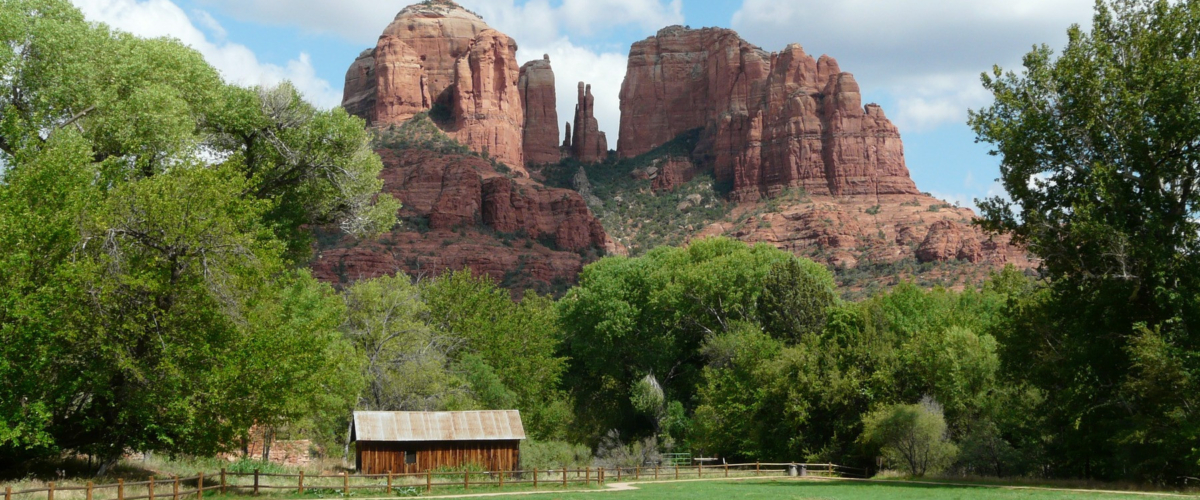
(770, 120)
(536, 85)
(460, 213)
(438, 57)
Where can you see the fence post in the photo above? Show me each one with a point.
(501, 479)
(466, 480)
(600, 476)
(300, 487)
(222, 480)
(150, 488)
(564, 476)
(587, 476)
(535, 474)
(727, 469)
(255, 482)
(428, 481)
(756, 466)
(8, 496)
(175, 489)
(618, 473)
(346, 484)
(656, 473)
(50, 491)
(676, 472)
(637, 472)
(120, 489)
(389, 488)
(8, 492)
(700, 471)
(200, 486)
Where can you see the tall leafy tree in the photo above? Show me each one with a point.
(150, 297)
(630, 317)
(1100, 154)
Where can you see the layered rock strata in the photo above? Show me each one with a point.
(440, 58)
(589, 144)
(846, 231)
(770, 120)
(536, 85)
(460, 213)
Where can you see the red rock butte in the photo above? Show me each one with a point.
(439, 55)
(770, 121)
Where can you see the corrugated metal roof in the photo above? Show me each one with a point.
(502, 425)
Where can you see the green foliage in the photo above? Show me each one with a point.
(912, 437)
(517, 340)
(795, 298)
(149, 215)
(1097, 157)
(546, 455)
(633, 316)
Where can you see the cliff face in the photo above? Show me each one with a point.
(460, 213)
(770, 121)
(536, 85)
(439, 55)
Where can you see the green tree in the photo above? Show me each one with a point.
(912, 437)
(405, 360)
(651, 314)
(1099, 156)
(795, 298)
(150, 298)
(518, 341)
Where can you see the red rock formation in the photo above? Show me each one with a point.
(488, 115)
(437, 54)
(536, 85)
(948, 241)
(589, 145)
(461, 213)
(770, 120)
(673, 173)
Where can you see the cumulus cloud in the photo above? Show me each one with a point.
(237, 63)
(926, 54)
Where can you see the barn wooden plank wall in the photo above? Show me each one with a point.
(384, 457)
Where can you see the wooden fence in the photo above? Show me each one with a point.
(253, 483)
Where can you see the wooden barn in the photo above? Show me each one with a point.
(407, 442)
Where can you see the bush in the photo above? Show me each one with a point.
(912, 437)
(612, 452)
(545, 455)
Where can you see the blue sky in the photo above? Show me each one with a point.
(919, 59)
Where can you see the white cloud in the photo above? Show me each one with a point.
(237, 63)
(926, 54)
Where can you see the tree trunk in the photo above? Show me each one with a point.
(107, 465)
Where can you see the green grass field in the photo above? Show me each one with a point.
(833, 490)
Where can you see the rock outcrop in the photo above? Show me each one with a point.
(440, 58)
(460, 213)
(536, 84)
(589, 145)
(846, 231)
(770, 121)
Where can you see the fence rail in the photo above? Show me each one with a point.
(226, 482)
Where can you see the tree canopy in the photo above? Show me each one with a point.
(152, 218)
(1100, 155)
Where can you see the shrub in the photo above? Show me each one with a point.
(552, 454)
(912, 437)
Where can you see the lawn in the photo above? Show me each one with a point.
(832, 490)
